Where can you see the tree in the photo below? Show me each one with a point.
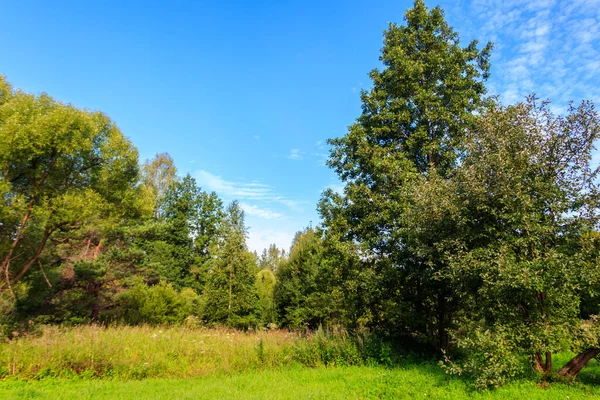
(297, 282)
(159, 174)
(419, 108)
(525, 252)
(265, 284)
(231, 294)
(61, 168)
(179, 246)
(271, 258)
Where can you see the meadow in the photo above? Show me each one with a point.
(188, 362)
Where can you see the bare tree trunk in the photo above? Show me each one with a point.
(97, 250)
(230, 291)
(573, 367)
(538, 365)
(87, 248)
(548, 367)
(33, 259)
(6, 262)
(44, 274)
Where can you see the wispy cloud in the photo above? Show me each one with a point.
(296, 154)
(256, 211)
(232, 189)
(249, 191)
(321, 153)
(338, 188)
(549, 47)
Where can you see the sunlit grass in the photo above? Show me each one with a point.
(419, 381)
(189, 362)
(139, 352)
(178, 351)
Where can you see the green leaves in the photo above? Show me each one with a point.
(526, 254)
(394, 160)
(61, 168)
(232, 297)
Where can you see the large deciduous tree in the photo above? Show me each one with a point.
(525, 203)
(420, 106)
(61, 168)
(159, 174)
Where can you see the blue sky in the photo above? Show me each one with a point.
(244, 94)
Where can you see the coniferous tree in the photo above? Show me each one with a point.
(231, 295)
(191, 220)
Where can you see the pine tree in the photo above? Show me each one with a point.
(232, 296)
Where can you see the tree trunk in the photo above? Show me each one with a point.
(97, 250)
(33, 259)
(573, 367)
(230, 291)
(538, 365)
(548, 367)
(6, 262)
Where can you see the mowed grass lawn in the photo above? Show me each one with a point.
(424, 381)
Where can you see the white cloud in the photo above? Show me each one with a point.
(292, 204)
(262, 239)
(549, 47)
(338, 188)
(255, 211)
(267, 219)
(232, 189)
(296, 154)
(252, 191)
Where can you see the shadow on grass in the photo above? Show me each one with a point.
(590, 374)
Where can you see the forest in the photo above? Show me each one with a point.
(466, 232)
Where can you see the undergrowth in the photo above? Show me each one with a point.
(128, 352)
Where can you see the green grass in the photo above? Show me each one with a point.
(423, 381)
(185, 362)
(127, 352)
(142, 352)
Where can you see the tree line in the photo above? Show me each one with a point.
(466, 227)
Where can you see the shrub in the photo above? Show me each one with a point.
(158, 304)
(488, 356)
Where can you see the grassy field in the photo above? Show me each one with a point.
(181, 363)
(416, 382)
(142, 352)
(127, 352)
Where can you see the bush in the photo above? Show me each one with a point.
(8, 308)
(339, 347)
(488, 356)
(159, 304)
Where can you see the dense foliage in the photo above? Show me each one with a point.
(465, 228)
